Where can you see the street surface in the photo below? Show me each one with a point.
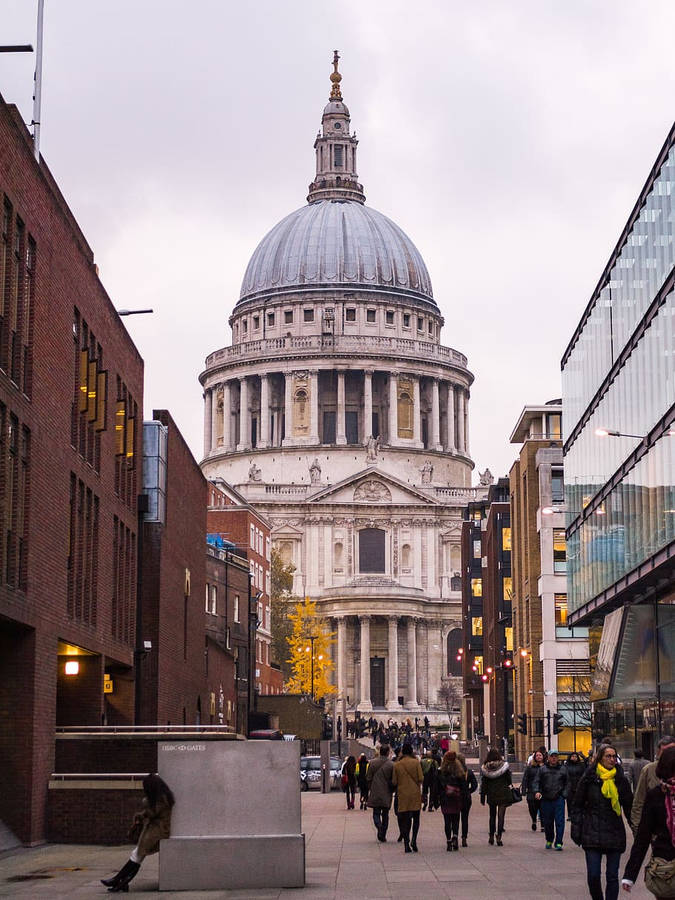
(345, 860)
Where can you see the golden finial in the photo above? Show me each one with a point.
(336, 78)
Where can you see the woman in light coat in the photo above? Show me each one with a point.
(155, 818)
(407, 779)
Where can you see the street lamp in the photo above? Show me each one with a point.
(133, 312)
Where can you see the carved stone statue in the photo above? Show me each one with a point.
(372, 446)
(254, 472)
(427, 471)
(486, 478)
(373, 492)
(315, 472)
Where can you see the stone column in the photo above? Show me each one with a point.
(392, 690)
(264, 436)
(450, 437)
(393, 409)
(422, 644)
(288, 409)
(208, 420)
(411, 699)
(342, 657)
(433, 662)
(435, 417)
(214, 415)
(461, 446)
(227, 416)
(466, 423)
(314, 407)
(417, 412)
(244, 417)
(340, 434)
(367, 404)
(365, 703)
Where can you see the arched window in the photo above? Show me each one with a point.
(371, 550)
(405, 556)
(455, 583)
(405, 415)
(454, 644)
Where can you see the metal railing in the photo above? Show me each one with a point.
(145, 729)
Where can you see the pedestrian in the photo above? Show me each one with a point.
(527, 787)
(576, 766)
(496, 787)
(602, 793)
(154, 822)
(648, 780)
(407, 780)
(633, 768)
(362, 780)
(472, 786)
(551, 790)
(349, 780)
(657, 826)
(380, 789)
(429, 769)
(453, 791)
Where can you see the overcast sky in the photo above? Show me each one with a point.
(509, 140)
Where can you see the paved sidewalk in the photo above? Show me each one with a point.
(345, 860)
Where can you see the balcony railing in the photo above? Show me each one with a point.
(269, 348)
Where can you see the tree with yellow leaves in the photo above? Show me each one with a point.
(309, 646)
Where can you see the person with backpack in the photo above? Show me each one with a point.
(429, 769)
(362, 780)
(495, 787)
(453, 792)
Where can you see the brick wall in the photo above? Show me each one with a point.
(91, 815)
(95, 754)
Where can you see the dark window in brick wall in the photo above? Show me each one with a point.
(126, 413)
(124, 582)
(83, 543)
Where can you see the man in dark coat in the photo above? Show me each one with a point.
(550, 786)
(379, 775)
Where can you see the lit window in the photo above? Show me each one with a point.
(477, 626)
(236, 607)
(507, 584)
(476, 550)
(508, 638)
(350, 315)
(560, 610)
(477, 587)
(559, 551)
(506, 538)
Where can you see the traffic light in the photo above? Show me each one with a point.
(557, 723)
(522, 723)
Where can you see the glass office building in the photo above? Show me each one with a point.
(619, 454)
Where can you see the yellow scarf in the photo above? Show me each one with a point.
(609, 787)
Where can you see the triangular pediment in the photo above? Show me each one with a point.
(372, 486)
(285, 529)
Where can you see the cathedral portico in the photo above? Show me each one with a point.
(338, 412)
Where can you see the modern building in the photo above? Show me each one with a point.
(486, 654)
(71, 393)
(234, 521)
(618, 395)
(338, 413)
(552, 675)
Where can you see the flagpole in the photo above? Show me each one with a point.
(37, 95)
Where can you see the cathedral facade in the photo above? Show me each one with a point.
(338, 413)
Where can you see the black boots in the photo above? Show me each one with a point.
(454, 843)
(499, 839)
(491, 839)
(120, 882)
(464, 843)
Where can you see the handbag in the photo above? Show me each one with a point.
(516, 795)
(344, 781)
(660, 877)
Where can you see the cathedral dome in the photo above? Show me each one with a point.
(336, 243)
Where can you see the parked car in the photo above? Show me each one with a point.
(310, 772)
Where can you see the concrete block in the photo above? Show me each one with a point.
(229, 863)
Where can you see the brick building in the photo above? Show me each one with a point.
(71, 392)
(552, 675)
(233, 519)
(487, 657)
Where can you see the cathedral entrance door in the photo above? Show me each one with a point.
(377, 681)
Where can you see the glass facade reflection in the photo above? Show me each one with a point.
(620, 489)
(645, 260)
